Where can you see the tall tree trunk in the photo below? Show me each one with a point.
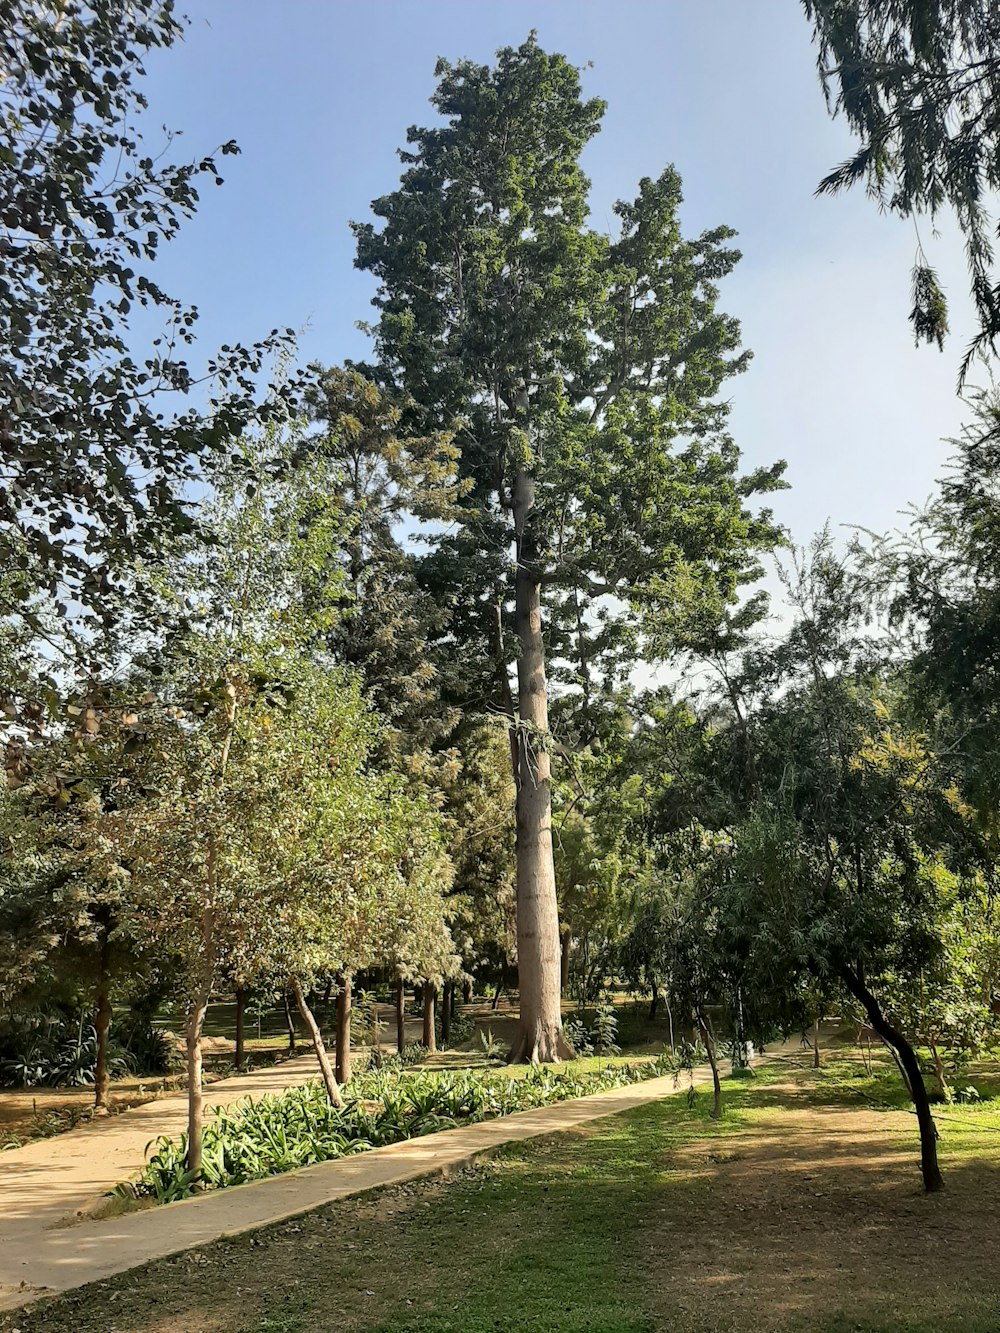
(192, 1040)
(102, 1020)
(429, 1040)
(709, 1042)
(241, 1014)
(907, 1059)
(539, 1036)
(330, 1082)
(344, 1030)
(447, 1003)
(290, 1025)
(400, 1016)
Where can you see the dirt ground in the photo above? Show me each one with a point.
(796, 1212)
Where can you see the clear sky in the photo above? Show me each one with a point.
(319, 93)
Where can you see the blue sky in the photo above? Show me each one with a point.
(319, 93)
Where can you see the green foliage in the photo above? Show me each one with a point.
(300, 1127)
(916, 84)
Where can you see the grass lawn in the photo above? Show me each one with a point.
(800, 1210)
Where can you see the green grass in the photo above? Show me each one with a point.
(799, 1210)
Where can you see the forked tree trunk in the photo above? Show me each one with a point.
(344, 1030)
(709, 1042)
(539, 1035)
(102, 1022)
(329, 1080)
(429, 1039)
(241, 1014)
(400, 1016)
(910, 1068)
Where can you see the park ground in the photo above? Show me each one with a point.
(800, 1210)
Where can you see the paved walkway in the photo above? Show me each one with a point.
(42, 1250)
(48, 1183)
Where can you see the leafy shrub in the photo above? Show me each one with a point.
(145, 1048)
(576, 1033)
(300, 1127)
(604, 1033)
(460, 1032)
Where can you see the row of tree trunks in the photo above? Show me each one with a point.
(910, 1068)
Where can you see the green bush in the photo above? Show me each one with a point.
(299, 1128)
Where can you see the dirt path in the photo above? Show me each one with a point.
(47, 1184)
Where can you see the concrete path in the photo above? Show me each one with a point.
(40, 1253)
(48, 1183)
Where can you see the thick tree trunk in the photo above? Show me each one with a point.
(344, 1030)
(290, 1025)
(539, 1036)
(241, 1014)
(400, 1016)
(329, 1081)
(102, 1023)
(195, 1024)
(907, 1059)
(429, 1039)
(709, 1043)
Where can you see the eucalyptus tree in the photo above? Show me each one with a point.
(581, 374)
(918, 85)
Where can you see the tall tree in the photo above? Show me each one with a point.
(581, 374)
(918, 82)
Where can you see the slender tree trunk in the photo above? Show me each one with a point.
(290, 1025)
(195, 1025)
(906, 1056)
(447, 1003)
(539, 1037)
(816, 1061)
(654, 1002)
(241, 1014)
(940, 1078)
(565, 948)
(400, 1016)
(102, 1022)
(709, 1041)
(429, 1040)
(496, 995)
(344, 1030)
(329, 1080)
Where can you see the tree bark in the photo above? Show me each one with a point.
(400, 1016)
(290, 1025)
(344, 1030)
(429, 1039)
(907, 1059)
(241, 1013)
(539, 1036)
(195, 1024)
(102, 1022)
(709, 1041)
(447, 1011)
(329, 1080)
